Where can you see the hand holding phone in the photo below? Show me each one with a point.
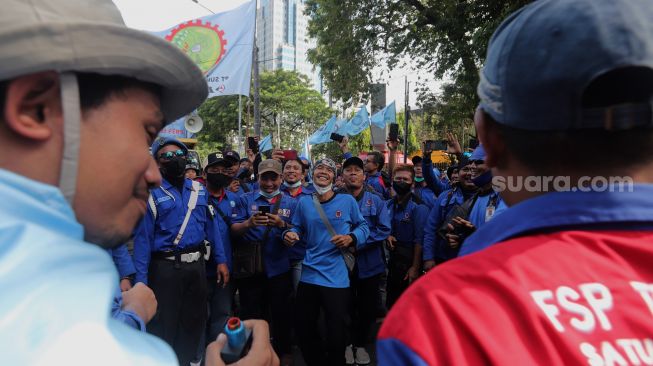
(290, 155)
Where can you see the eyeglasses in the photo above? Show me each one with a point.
(477, 162)
(171, 154)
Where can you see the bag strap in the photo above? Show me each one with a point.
(150, 202)
(225, 218)
(192, 202)
(320, 211)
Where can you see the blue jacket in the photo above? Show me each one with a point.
(227, 204)
(122, 260)
(434, 246)
(323, 264)
(481, 209)
(43, 318)
(275, 252)
(369, 255)
(157, 234)
(297, 251)
(426, 195)
(433, 182)
(408, 221)
(376, 181)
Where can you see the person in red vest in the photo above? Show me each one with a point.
(564, 276)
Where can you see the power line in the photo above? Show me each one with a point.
(200, 4)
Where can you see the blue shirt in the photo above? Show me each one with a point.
(435, 246)
(227, 204)
(376, 181)
(275, 251)
(408, 221)
(122, 260)
(571, 211)
(481, 210)
(57, 289)
(369, 255)
(158, 234)
(323, 264)
(297, 251)
(425, 194)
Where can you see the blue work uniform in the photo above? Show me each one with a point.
(425, 194)
(434, 246)
(122, 260)
(297, 251)
(369, 255)
(275, 253)
(376, 181)
(433, 181)
(408, 220)
(225, 210)
(486, 207)
(323, 264)
(57, 289)
(157, 234)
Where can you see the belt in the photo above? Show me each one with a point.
(187, 257)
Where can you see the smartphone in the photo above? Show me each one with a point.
(336, 137)
(431, 145)
(262, 210)
(252, 144)
(290, 154)
(393, 134)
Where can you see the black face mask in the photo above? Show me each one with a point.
(174, 169)
(401, 187)
(218, 180)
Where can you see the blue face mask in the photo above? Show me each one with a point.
(483, 179)
(269, 195)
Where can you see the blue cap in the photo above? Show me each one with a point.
(163, 141)
(542, 57)
(478, 154)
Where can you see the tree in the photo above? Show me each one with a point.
(446, 37)
(286, 98)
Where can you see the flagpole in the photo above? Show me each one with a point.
(406, 115)
(240, 125)
(257, 99)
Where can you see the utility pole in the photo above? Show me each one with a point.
(406, 116)
(257, 97)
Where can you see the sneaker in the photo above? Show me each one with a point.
(362, 357)
(349, 355)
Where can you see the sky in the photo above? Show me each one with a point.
(157, 15)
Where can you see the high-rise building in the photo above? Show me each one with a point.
(282, 38)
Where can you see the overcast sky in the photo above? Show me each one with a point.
(157, 15)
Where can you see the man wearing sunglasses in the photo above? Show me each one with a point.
(169, 251)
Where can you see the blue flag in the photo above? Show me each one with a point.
(265, 144)
(385, 116)
(356, 124)
(323, 134)
(306, 150)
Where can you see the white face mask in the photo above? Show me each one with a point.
(322, 190)
(293, 185)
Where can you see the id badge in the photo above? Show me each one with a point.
(489, 212)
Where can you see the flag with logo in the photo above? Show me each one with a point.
(385, 116)
(323, 134)
(356, 124)
(221, 45)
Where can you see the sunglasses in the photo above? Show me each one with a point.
(477, 162)
(171, 154)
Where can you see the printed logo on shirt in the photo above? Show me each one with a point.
(163, 199)
(369, 202)
(285, 212)
(254, 208)
(406, 217)
(338, 214)
(232, 204)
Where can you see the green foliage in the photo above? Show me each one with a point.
(446, 37)
(286, 97)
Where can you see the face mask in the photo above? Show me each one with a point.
(323, 190)
(401, 187)
(293, 185)
(483, 179)
(269, 195)
(218, 180)
(419, 180)
(174, 169)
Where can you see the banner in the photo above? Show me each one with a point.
(323, 134)
(356, 124)
(265, 144)
(221, 45)
(176, 129)
(385, 116)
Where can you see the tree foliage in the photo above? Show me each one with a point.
(286, 97)
(447, 38)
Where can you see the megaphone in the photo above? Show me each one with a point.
(193, 123)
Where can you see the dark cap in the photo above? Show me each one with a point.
(217, 158)
(354, 160)
(232, 155)
(163, 141)
(416, 160)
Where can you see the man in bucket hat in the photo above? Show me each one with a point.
(563, 277)
(82, 97)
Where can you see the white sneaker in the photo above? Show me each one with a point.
(362, 357)
(349, 355)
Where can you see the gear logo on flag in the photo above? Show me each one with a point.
(203, 42)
